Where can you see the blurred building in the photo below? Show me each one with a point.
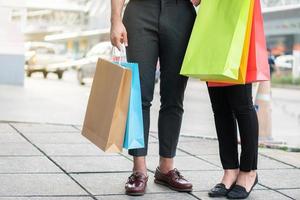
(282, 25)
(41, 17)
(78, 24)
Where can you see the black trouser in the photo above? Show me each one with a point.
(231, 104)
(160, 29)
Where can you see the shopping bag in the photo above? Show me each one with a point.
(216, 45)
(106, 115)
(257, 65)
(244, 60)
(134, 134)
(259, 69)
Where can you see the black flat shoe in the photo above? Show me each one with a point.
(239, 192)
(219, 190)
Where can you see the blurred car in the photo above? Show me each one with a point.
(86, 66)
(44, 58)
(284, 62)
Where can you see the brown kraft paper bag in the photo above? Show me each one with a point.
(106, 115)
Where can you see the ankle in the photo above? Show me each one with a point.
(247, 179)
(251, 173)
(231, 173)
(143, 171)
(166, 164)
(230, 176)
(139, 165)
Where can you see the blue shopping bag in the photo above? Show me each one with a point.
(134, 135)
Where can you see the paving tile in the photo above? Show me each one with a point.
(183, 163)
(43, 128)
(215, 159)
(205, 180)
(267, 195)
(57, 138)
(11, 138)
(27, 165)
(295, 193)
(47, 198)
(152, 139)
(255, 195)
(172, 196)
(153, 151)
(94, 164)
(112, 183)
(201, 147)
(181, 138)
(6, 128)
(78, 127)
(38, 184)
(267, 163)
(73, 150)
(280, 179)
(18, 149)
(263, 162)
(292, 158)
(185, 139)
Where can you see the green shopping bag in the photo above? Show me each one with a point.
(216, 45)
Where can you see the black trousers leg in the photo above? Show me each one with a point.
(141, 22)
(225, 126)
(236, 100)
(240, 99)
(176, 23)
(160, 28)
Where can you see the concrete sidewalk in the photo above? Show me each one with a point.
(64, 102)
(46, 161)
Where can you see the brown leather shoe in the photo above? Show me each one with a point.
(174, 180)
(136, 184)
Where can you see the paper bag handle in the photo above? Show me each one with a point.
(119, 56)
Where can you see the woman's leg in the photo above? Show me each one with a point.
(227, 133)
(240, 97)
(241, 102)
